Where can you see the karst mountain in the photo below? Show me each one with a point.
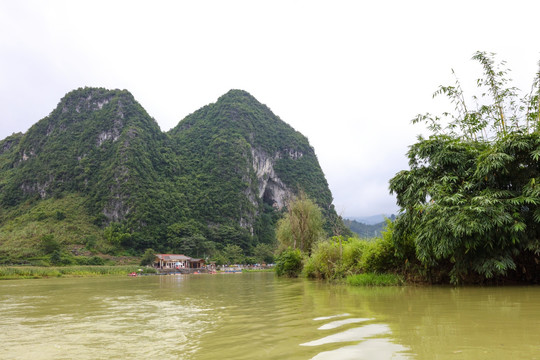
(99, 172)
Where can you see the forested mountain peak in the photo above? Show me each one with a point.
(88, 104)
(88, 117)
(236, 95)
(91, 99)
(239, 112)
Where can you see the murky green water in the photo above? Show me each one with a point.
(258, 316)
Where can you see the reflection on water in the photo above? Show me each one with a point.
(246, 316)
(78, 318)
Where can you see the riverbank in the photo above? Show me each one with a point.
(37, 272)
(257, 270)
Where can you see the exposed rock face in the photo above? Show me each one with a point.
(117, 208)
(92, 102)
(118, 205)
(10, 142)
(38, 188)
(271, 189)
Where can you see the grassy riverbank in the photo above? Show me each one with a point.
(372, 279)
(257, 270)
(37, 272)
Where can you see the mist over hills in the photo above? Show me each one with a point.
(371, 220)
(98, 172)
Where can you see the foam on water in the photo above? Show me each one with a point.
(338, 323)
(331, 317)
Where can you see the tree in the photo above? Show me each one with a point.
(118, 235)
(233, 254)
(206, 248)
(301, 226)
(186, 238)
(148, 257)
(470, 200)
(264, 253)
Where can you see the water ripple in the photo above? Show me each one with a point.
(355, 334)
(371, 349)
(338, 323)
(331, 317)
(373, 340)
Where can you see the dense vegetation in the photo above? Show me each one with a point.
(470, 201)
(305, 250)
(97, 176)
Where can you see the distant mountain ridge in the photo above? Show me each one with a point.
(371, 220)
(365, 230)
(368, 227)
(220, 177)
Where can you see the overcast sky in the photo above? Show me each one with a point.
(350, 75)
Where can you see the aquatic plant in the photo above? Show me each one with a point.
(372, 279)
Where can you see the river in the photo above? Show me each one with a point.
(260, 316)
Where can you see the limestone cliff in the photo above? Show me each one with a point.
(270, 187)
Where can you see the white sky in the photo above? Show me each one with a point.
(350, 75)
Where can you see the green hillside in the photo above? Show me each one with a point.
(99, 170)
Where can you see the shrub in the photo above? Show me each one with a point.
(60, 215)
(49, 245)
(325, 261)
(96, 260)
(84, 260)
(380, 255)
(335, 258)
(56, 258)
(353, 249)
(90, 242)
(289, 263)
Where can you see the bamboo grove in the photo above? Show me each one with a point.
(470, 202)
